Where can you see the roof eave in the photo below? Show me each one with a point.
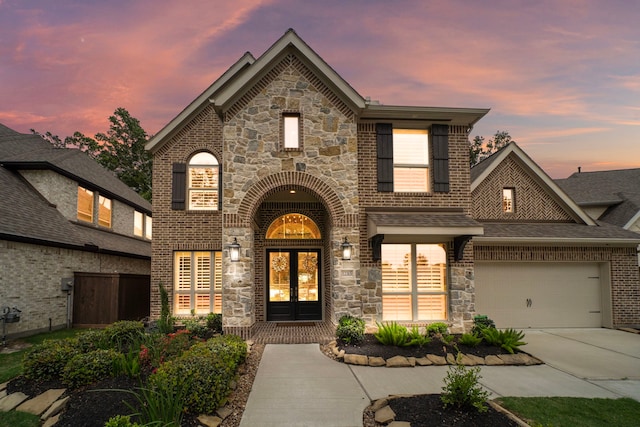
(558, 241)
(452, 116)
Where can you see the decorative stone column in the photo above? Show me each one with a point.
(238, 288)
(345, 275)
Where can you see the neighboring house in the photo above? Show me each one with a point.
(74, 240)
(282, 195)
(542, 261)
(610, 196)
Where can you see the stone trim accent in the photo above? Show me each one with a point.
(301, 181)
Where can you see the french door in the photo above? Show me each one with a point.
(293, 284)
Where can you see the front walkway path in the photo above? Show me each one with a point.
(297, 385)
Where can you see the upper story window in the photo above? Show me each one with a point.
(291, 131)
(508, 200)
(293, 226)
(142, 225)
(203, 186)
(410, 160)
(104, 211)
(85, 204)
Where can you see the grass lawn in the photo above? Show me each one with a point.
(573, 411)
(18, 419)
(11, 364)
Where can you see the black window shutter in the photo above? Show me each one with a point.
(440, 146)
(179, 186)
(384, 141)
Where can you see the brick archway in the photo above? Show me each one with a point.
(272, 184)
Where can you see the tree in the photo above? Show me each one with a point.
(120, 150)
(479, 150)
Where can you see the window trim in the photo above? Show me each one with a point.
(212, 292)
(425, 167)
(508, 194)
(215, 190)
(283, 131)
(413, 292)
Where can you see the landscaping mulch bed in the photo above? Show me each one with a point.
(371, 347)
(88, 407)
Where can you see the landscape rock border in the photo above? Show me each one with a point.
(517, 359)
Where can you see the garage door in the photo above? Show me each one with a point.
(539, 295)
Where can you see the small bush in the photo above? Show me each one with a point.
(438, 328)
(350, 329)
(508, 339)
(416, 338)
(87, 368)
(166, 322)
(392, 334)
(462, 388)
(46, 361)
(128, 364)
(160, 405)
(206, 369)
(124, 334)
(214, 322)
(121, 421)
(470, 340)
(480, 322)
(92, 339)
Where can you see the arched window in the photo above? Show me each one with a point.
(204, 182)
(293, 226)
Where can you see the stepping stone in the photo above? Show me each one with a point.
(385, 415)
(51, 421)
(54, 409)
(399, 424)
(210, 420)
(3, 393)
(39, 404)
(3, 386)
(224, 412)
(11, 401)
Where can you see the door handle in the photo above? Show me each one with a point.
(529, 302)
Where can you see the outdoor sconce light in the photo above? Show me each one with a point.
(346, 250)
(234, 250)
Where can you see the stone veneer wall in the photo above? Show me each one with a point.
(31, 275)
(256, 166)
(625, 281)
(461, 299)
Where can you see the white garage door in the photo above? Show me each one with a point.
(539, 295)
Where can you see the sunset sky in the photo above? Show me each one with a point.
(562, 77)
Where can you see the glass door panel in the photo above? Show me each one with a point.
(307, 276)
(279, 277)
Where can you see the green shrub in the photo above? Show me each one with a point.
(480, 322)
(416, 338)
(128, 364)
(509, 339)
(87, 368)
(161, 405)
(350, 329)
(214, 322)
(462, 388)
(92, 339)
(124, 334)
(166, 322)
(46, 361)
(206, 369)
(437, 328)
(470, 340)
(120, 421)
(392, 334)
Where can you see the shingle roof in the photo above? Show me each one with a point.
(27, 216)
(619, 189)
(557, 232)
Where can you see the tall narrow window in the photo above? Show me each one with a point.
(204, 173)
(291, 132)
(198, 282)
(138, 223)
(104, 211)
(148, 224)
(508, 200)
(414, 282)
(410, 160)
(85, 204)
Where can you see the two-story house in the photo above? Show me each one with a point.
(282, 195)
(75, 242)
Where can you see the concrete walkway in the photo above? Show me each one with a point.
(296, 385)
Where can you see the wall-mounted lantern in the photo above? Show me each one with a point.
(346, 250)
(234, 250)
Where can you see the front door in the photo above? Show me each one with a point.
(293, 285)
